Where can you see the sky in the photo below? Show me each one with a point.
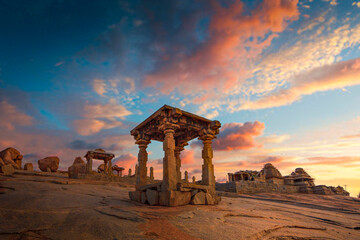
(282, 77)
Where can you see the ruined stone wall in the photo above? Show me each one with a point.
(247, 187)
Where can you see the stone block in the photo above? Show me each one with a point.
(143, 197)
(8, 169)
(199, 199)
(209, 200)
(174, 198)
(152, 197)
(135, 196)
(28, 167)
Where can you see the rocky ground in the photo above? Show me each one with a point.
(51, 206)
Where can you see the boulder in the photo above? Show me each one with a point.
(11, 156)
(77, 169)
(28, 167)
(101, 168)
(152, 197)
(198, 199)
(2, 163)
(49, 164)
(8, 169)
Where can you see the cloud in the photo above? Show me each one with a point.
(235, 37)
(126, 161)
(12, 117)
(80, 144)
(99, 117)
(325, 78)
(187, 156)
(350, 136)
(238, 136)
(88, 127)
(99, 86)
(111, 110)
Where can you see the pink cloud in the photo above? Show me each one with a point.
(187, 156)
(12, 117)
(238, 136)
(325, 78)
(221, 60)
(126, 161)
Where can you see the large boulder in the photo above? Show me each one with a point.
(49, 164)
(78, 168)
(7, 169)
(11, 156)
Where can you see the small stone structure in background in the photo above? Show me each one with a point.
(118, 170)
(99, 154)
(269, 179)
(175, 128)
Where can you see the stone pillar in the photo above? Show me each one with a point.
(193, 179)
(208, 177)
(142, 160)
(89, 165)
(120, 173)
(129, 174)
(169, 164)
(177, 152)
(136, 170)
(186, 176)
(151, 174)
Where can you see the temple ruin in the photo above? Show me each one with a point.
(269, 179)
(99, 154)
(175, 128)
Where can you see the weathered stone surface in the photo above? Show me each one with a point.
(49, 163)
(28, 167)
(101, 168)
(209, 199)
(11, 156)
(8, 169)
(199, 199)
(2, 163)
(135, 196)
(143, 197)
(78, 169)
(152, 197)
(174, 198)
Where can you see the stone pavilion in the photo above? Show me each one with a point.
(175, 128)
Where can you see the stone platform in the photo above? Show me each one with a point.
(186, 193)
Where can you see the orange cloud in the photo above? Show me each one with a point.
(350, 136)
(329, 77)
(187, 157)
(126, 161)
(12, 117)
(236, 38)
(238, 136)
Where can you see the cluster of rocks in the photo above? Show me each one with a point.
(151, 194)
(11, 159)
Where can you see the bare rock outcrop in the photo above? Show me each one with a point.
(11, 156)
(77, 169)
(49, 164)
